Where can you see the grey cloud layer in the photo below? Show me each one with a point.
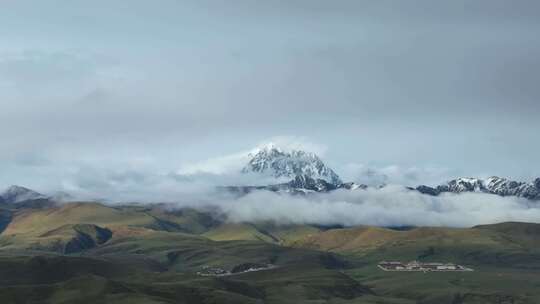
(390, 206)
(393, 206)
(429, 84)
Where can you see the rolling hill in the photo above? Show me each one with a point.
(152, 254)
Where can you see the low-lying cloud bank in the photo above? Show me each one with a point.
(394, 174)
(390, 206)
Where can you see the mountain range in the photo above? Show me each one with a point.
(162, 253)
(308, 173)
(301, 172)
(493, 185)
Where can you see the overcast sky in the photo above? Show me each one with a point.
(94, 91)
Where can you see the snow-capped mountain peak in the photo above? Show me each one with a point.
(272, 160)
(16, 194)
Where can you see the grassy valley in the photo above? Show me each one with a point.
(152, 254)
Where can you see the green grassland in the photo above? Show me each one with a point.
(92, 253)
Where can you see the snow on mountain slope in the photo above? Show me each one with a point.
(272, 160)
(16, 194)
(463, 184)
(494, 185)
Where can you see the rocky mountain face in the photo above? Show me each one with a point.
(320, 185)
(17, 194)
(306, 170)
(306, 173)
(309, 174)
(494, 185)
(271, 160)
(301, 184)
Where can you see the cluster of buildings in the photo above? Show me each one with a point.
(207, 271)
(418, 266)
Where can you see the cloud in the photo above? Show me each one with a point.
(143, 183)
(395, 174)
(398, 87)
(290, 143)
(138, 181)
(233, 163)
(125, 175)
(217, 165)
(391, 206)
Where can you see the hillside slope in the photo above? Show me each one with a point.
(152, 254)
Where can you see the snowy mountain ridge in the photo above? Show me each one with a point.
(15, 194)
(279, 163)
(494, 185)
(307, 172)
